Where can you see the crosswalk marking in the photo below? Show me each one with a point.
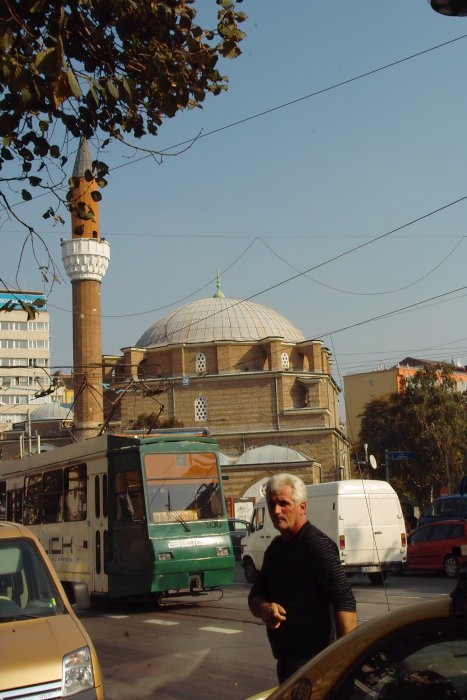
(167, 623)
(221, 630)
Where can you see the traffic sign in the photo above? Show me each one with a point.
(400, 454)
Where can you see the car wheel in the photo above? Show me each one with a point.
(451, 566)
(249, 569)
(378, 578)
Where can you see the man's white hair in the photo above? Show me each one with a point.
(278, 481)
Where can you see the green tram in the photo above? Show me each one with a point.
(124, 515)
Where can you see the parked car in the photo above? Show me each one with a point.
(238, 529)
(45, 650)
(445, 508)
(417, 652)
(438, 546)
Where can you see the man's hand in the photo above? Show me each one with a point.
(272, 614)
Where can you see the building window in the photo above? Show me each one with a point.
(285, 363)
(13, 326)
(201, 409)
(38, 344)
(13, 362)
(200, 363)
(14, 344)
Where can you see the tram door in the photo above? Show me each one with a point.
(100, 533)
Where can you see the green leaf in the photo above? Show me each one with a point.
(96, 196)
(88, 176)
(126, 86)
(78, 230)
(55, 151)
(46, 62)
(73, 182)
(73, 83)
(112, 89)
(35, 181)
(27, 196)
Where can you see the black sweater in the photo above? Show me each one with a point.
(306, 577)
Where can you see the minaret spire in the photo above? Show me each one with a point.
(86, 258)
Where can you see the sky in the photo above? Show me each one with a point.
(328, 183)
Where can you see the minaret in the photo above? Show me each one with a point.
(86, 258)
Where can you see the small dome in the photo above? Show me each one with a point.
(270, 454)
(52, 411)
(219, 319)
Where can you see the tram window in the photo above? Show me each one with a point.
(129, 495)
(2, 500)
(32, 503)
(75, 493)
(105, 497)
(97, 496)
(52, 496)
(14, 505)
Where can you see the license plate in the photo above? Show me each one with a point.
(370, 569)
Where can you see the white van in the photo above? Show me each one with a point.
(363, 517)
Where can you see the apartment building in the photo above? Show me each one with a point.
(361, 388)
(25, 378)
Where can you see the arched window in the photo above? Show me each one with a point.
(201, 409)
(200, 363)
(285, 361)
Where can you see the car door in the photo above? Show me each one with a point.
(417, 547)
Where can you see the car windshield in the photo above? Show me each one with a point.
(26, 586)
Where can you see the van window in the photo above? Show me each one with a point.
(258, 519)
(447, 507)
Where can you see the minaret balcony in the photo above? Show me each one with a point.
(85, 258)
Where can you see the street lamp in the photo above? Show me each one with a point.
(452, 8)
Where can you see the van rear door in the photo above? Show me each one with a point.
(388, 524)
(359, 540)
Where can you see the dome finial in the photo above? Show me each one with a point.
(219, 293)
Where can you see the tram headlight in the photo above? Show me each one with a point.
(77, 672)
(165, 556)
(223, 551)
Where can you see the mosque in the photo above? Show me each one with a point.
(237, 368)
(247, 374)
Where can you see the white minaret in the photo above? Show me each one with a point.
(86, 258)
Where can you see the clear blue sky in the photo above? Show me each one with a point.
(295, 189)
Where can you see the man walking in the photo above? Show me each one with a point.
(302, 593)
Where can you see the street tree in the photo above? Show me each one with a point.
(111, 70)
(429, 417)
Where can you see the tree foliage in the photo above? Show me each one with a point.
(429, 417)
(112, 69)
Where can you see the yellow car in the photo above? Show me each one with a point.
(45, 651)
(417, 652)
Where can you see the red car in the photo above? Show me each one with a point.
(438, 546)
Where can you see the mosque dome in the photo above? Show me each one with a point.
(270, 454)
(217, 319)
(51, 411)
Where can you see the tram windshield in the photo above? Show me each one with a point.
(183, 487)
